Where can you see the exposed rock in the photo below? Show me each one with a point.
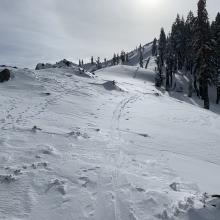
(43, 66)
(61, 64)
(5, 75)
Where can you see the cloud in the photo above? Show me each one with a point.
(48, 30)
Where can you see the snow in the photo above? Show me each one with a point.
(75, 147)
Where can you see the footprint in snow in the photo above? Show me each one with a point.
(58, 185)
(91, 169)
(140, 189)
(48, 150)
(15, 171)
(157, 94)
(144, 135)
(86, 182)
(39, 165)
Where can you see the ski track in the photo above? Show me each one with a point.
(92, 176)
(114, 140)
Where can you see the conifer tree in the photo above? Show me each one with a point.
(189, 31)
(179, 41)
(204, 52)
(118, 59)
(123, 56)
(189, 53)
(127, 57)
(98, 63)
(114, 60)
(162, 46)
(140, 48)
(169, 63)
(141, 58)
(154, 47)
(92, 60)
(216, 35)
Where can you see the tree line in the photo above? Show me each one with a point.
(193, 47)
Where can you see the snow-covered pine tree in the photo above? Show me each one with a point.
(123, 56)
(127, 57)
(204, 52)
(178, 36)
(215, 29)
(189, 31)
(189, 53)
(141, 59)
(154, 47)
(118, 59)
(162, 46)
(169, 63)
(114, 60)
(160, 58)
(140, 48)
(158, 70)
(98, 63)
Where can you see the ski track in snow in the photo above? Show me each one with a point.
(97, 154)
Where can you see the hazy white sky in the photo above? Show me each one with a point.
(33, 31)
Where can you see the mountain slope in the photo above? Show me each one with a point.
(108, 146)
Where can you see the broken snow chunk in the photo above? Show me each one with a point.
(35, 129)
(34, 166)
(140, 189)
(58, 185)
(40, 164)
(49, 150)
(7, 178)
(78, 134)
(174, 186)
(17, 172)
(24, 167)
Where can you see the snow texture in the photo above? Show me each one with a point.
(108, 147)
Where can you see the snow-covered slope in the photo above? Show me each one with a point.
(133, 57)
(108, 147)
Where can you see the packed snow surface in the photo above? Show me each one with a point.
(108, 147)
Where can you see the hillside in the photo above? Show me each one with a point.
(104, 146)
(133, 59)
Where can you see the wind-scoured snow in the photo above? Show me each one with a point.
(106, 147)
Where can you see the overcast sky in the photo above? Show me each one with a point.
(33, 31)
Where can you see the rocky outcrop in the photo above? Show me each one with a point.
(5, 75)
(61, 64)
(43, 66)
